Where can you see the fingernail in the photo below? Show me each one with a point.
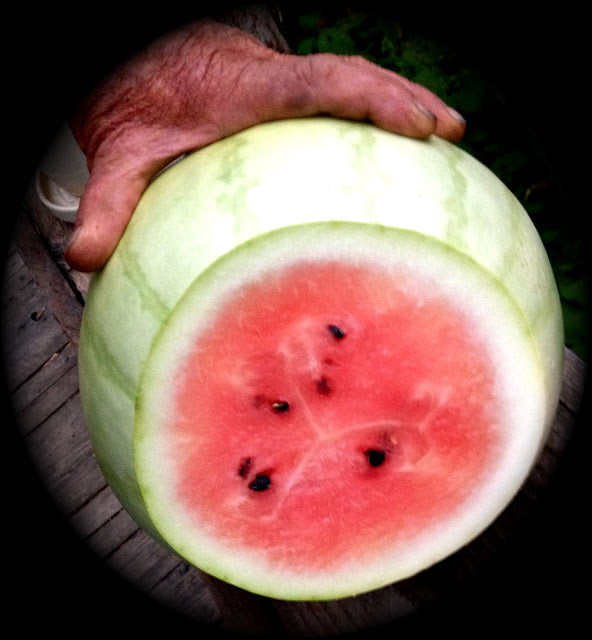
(456, 115)
(424, 111)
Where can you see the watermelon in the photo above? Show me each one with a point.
(323, 356)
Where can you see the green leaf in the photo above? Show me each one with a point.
(575, 322)
(574, 290)
(334, 40)
(307, 46)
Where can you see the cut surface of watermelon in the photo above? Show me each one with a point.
(331, 407)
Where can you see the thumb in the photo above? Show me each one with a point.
(105, 209)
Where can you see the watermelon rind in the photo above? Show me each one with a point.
(292, 173)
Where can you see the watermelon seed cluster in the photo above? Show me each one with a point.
(262, 481)
(323, 385)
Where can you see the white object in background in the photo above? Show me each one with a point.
(62, 176)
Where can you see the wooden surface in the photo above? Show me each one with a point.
(42, 307)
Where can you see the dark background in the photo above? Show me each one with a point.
(53, 56)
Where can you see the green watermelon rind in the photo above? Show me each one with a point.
(279, 174)
(503, 328)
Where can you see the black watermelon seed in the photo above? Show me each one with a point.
(260, 483)
(323, 387)
(281, 406)
(375, 457)
(244, 467)
(335, 331)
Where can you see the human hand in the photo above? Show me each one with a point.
(206, 81)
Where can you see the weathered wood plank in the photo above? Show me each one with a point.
(63, 455)
(56, 281)
(35, 340)
(572, 387)
(140, 561)
(99, 509)
(55, 235)
(243, 612)
(30, 334)
(47, 377)
(116, 528)
(62, 388)
(183, 589)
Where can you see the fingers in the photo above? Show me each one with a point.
(449, 123)
(352, 87)
(104, 212)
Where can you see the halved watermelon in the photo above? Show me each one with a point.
(323, 356)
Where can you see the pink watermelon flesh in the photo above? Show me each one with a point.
(329, 411)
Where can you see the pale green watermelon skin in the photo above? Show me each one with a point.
(279, 174)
